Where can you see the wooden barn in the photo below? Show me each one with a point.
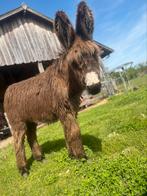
(27, 46)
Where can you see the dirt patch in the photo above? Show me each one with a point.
(102, 102)
(4, 143)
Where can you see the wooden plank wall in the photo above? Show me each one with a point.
(25, 39)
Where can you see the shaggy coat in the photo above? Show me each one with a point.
(55, 94)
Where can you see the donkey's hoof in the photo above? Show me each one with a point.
(83, 157)
(39, 158)
(25, 175)
(24, 172)
(44, 160)
(79, 156)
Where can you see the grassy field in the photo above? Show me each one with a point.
(136, 82)
(115, 140)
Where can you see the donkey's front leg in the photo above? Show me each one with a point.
(73, 136)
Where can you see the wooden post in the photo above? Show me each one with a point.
(123, 80)
(40, 67)
(107, 81)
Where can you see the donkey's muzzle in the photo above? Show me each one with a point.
(94, 88)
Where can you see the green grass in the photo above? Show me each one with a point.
(136, 82)
(115, 140)
(139, 81)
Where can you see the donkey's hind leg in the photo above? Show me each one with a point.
(19, 136)
(32, 140)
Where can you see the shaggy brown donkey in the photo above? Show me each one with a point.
(55, 94)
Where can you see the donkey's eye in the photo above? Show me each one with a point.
(76, 51)
(77, 65)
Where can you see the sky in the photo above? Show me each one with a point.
(119, 24)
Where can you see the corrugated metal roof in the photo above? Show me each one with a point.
(27, 36)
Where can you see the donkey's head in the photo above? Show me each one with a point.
(82, 54)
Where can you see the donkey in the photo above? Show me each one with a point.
(55, 94)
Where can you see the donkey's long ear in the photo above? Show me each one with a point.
(85, 21)
(64, 29)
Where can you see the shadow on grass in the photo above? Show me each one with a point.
(90, 141)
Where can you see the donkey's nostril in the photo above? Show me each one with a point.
(94, 89)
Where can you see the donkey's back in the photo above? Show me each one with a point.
(35, 99)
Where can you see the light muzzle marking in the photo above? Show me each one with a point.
(91, 78)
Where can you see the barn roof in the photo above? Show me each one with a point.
(24, 8)
(27, 36)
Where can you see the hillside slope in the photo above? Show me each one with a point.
(115, 140)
